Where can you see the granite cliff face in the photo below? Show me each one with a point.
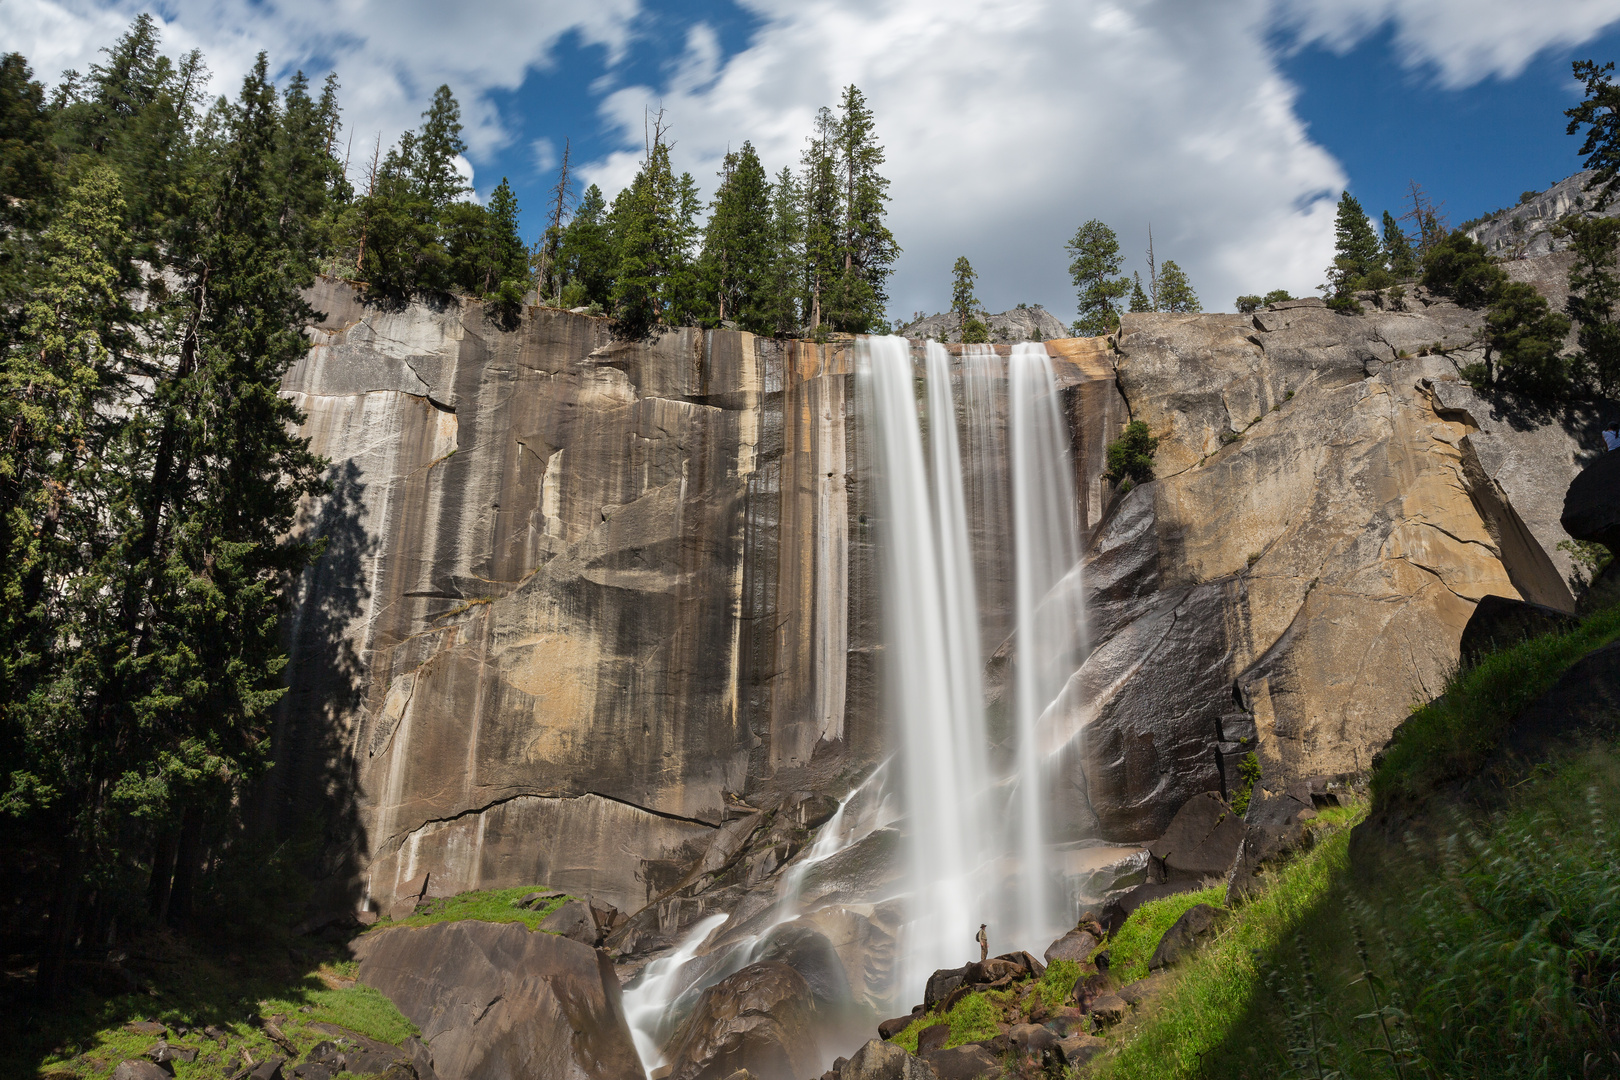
(585, 602)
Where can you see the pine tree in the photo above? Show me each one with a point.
(736, 244)
(547, 276)
(1094, 269)
(585, 254)
(1356, 249)
(866, 247)
(1594, 298)
(1139, 299)
(1599, 110)
(653, 223)
(1175, 291)
(1397, 250)
(965, 305)
(819, 195)
(780, 302)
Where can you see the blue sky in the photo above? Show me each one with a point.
(1228, 125)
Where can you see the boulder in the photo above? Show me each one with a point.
(879, 1060)
(982, 972)
(942, 983)
(314, 1070)
(1108, 1009)
(147, 1027)
(574, 921)
(268, 1069)
(1499, 622)
(895, 1025)
(1592, 503)
(498, 1002)
(933, 1038)
(1196, 924)
(1076, 945)
(137, 1069)
(1202, 840)
(761, 1019)
(969, 1062)
(1075, 1050)
(1032, 1040)
(1119, 907)
(808, 952)
(1024, 960)
(163, 1053)
(1142, 990)
(1275, 832)
(534, 900)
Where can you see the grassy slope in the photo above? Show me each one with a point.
(233, 988)
(1497, 955)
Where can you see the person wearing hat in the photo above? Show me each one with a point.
(984, 943)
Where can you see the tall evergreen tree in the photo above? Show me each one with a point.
(1139, 298)
(965, 305)
(1175, 291)
(820, 212)
(779, 304)
(736, 244)
(654, 225)
(1094, 268)
(1356, 250)
(1397, 250)
(867, 248)
(1594, 298)
(1599, 111)
(585, 253)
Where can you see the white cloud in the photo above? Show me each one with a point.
(544, 153)
(389, 54)
(1464, 40)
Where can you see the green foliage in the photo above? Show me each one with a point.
(865, 249)
(1356, 249)
(737, 248)
(1398, 255)
(1249, 304)
(1599, 111)
(1130, 457)
(1451, 736)
(971, 1019)
(965, 305)
(1248, 776)
(1094, 268)
(654, 227)
(585, 253)
(1594, 296)
(1132, 947)
(1056, 982)
(1460, 268)
(1175, 291)
(1139, 298)
(1589, 558)
(1276, 296)
(489, 905)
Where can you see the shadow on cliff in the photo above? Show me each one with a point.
(312, 790)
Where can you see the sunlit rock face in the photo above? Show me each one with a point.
(1331, 502)
(579, 597)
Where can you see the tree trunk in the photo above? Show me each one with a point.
(188, 861)
(159, 891)
(63, 925)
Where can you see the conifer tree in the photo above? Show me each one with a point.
(1397, 250)
(866, 247)
(965, 305)
(736, 245)
(653, 223)
(1175, 291)
(1356, 250)
(1139, 298)
(547, 254)
(1599, 110)
(585, 253)
(1594, 298)
(819, 194)
(780, 305)
(1094, 269)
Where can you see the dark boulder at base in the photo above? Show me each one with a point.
(878, 1060)
(942, 983)
(970, 1062)
(1119, 907)
(1202, 840)
(933, 1038)
(1032, 1040)
(761, 1018)
(1592, 503)
(1275, 832)
(1076, 1050)
(1197, 924)
(496, 1001)
(573, 921)
(895, 1025)
(1498, 622)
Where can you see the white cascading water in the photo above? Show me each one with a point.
(1050, 633)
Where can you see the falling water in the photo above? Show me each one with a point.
(1048, 600)
(647, 1002)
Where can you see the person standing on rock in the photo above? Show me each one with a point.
(984, 943)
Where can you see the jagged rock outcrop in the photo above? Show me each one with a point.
(1026, 323)
(1332, 501)
(1525, 230)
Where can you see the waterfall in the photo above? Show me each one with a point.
(978, 843)
(1050, 634)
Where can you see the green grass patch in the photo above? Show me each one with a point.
(490, 905)
(1130, 950)
(971, 1019)
(1451, 736)
(1056, 983)
(195, 983)
(1215, 989)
